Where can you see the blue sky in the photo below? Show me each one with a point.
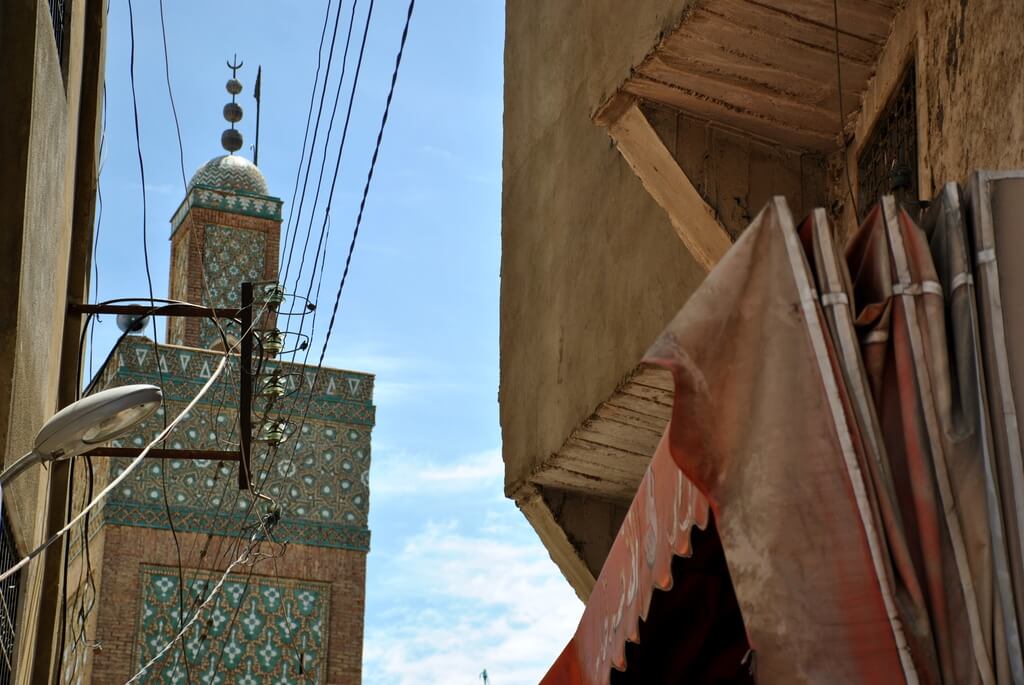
(457, 580)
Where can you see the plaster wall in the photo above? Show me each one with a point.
(970, 97)
(591, 268)
(46, 236)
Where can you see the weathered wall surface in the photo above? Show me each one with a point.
(49, 116)
(972, 59)
(591, 268)
(969, 57)
(738, 174)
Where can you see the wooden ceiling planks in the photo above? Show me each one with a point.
(608, 454)
(767, 66)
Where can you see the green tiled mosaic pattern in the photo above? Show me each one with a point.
(320, 475)
(233, 201)
(277, 636)
(232, 256)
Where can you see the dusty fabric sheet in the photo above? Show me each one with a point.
(846, 422)
(996, 210)
(895, 563)
(966, 423)
(760, 423)
(900, 314)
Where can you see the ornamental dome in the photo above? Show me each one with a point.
(232, 173)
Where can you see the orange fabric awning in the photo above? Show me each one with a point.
(664, 523)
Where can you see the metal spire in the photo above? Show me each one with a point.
(231, 139)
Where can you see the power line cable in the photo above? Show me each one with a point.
(362, 205)
(842, 113)
(316, 129)
(145, 249)
(327, 212)
(341, 146)
(309, 119)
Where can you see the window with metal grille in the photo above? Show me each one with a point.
(9, 597)
(888, 161)
(59, 15)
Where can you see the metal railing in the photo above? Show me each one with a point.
(888, 162)
(9, 592)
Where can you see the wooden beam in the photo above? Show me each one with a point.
(565, 555)
(692, 218)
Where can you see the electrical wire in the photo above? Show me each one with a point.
(309, 119)
(323, 90)
(362, 207)
(120, 477)
(170, 95)
(842, 113)
(316, 129)
(163, 471)
(341, 145)
(327, 211)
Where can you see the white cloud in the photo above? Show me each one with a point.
(367, 360)
(465, 602)
(389, 392)
(402, 473)
(398, 378)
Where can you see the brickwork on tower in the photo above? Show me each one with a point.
(192, 247)
(131, 552)
(169, 533)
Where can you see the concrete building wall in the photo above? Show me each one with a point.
(49, 114)
(591, 267)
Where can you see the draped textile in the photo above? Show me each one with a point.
(966, 423)
(896, 567)
(996, 224)
(900, 312)
(844, 437)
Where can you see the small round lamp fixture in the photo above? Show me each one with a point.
(89, 422)
(132, 323)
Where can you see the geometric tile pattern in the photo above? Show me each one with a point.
(319, 475)
(227, 201)
(257, 631)
(231, 172)
(232, 256)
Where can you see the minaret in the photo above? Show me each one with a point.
(226, 231)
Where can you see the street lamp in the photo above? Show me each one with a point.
(89, 422)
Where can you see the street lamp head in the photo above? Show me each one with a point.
(96, 419)
(89, 422)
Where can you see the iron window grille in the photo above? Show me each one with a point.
(888, 160)
(59, 15)
(9, 592)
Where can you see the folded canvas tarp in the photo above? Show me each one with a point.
(850, 421)
(996, 222)
(761, 426)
